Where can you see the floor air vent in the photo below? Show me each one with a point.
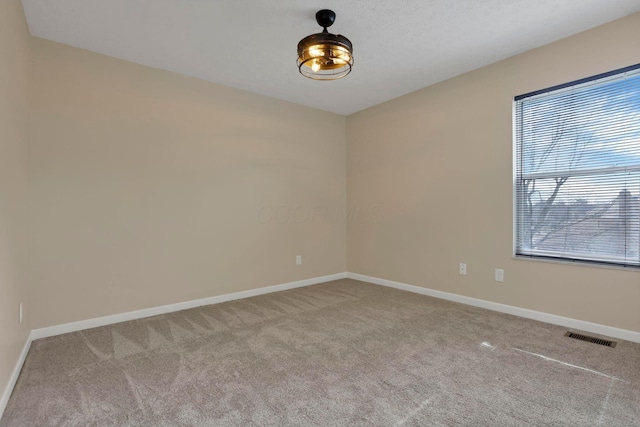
(587, 338)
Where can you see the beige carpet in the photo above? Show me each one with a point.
(344, 353)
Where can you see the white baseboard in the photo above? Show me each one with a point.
(154, 311)
(14, 375)
(567, 322)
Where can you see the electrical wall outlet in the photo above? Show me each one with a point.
(298, 259)
(463, 269)
(499, 275)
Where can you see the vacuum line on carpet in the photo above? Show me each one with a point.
(412, 413)
(606, 403)
(567, 364)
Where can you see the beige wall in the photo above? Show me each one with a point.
(150, 188)
(437, 166)
(14, 57)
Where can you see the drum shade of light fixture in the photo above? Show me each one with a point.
(325, 56)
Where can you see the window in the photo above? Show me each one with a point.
(577, 194)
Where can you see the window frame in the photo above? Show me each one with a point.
(554, 258)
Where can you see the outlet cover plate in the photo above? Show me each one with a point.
(463, 269)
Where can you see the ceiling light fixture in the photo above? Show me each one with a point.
(325, 56)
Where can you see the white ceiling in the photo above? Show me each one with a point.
(399, 45)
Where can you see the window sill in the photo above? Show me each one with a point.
(576, 263)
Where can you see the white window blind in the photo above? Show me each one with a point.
(578, 170)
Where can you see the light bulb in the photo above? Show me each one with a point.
(315, 66)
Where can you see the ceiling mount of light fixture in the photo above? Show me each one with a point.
(325, 56)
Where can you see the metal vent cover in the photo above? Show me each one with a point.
(587, 338)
